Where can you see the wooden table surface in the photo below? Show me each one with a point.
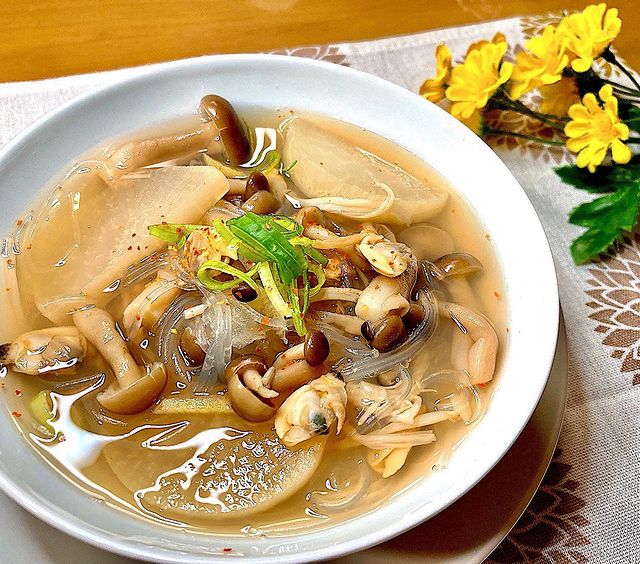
(47, 38)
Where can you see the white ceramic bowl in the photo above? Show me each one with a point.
(168, 91)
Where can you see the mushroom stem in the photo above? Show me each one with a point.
(99, 329)
(136, 387)
(290, 370)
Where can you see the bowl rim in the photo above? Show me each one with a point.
(71, 524)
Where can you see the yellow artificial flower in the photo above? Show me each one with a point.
(475, 80)
(595, 129)
(542, 63)
(474, 122)
(588, 33)
(557, 98)
(433, 89)
(497, 38)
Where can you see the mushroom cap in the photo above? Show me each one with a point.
(245, 362)
(230, 127)
(137, 396)
(246, 403)
(458, 264)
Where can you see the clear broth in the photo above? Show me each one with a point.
(93, 439)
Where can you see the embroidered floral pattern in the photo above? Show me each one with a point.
(329, 53)
(615, 300)
(513, 121)
(551, 529)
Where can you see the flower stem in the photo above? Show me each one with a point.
(633, 140)
(518, 106)
(623, 89)
(493, 131)
(609, 56)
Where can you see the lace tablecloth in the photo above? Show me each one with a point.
(588, 508)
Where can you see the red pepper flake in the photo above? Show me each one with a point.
(227, 549)
(28, 246)
(19, 222)
(16, 414)
(133, 234)
(10, 263)
(138, 317)
(481, 385)
(129, 248)
(18, 392)
(138, 247)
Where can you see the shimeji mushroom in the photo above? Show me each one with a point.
(135, 387)
(454, 269)
(299, 364)
(45, 350)
(249, 396)
(144, 311)
(232, 133)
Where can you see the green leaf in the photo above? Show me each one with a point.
(630, 114)
(591, 244)
(617, 210)
(604, 179)
(605, 217)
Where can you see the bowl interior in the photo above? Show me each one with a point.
(168, 91)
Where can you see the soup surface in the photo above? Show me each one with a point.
(249, 325)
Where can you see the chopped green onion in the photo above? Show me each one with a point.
(270, 162)
(291, 228)
(308, 249)
(235, 242)
(266, 241)
(296, 310)
(271, 289)
(211, 284)
(41, 408)
(174, 233)
(286, 172)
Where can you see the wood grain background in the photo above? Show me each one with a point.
(46, 38)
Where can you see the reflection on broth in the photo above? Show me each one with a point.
(249, 329)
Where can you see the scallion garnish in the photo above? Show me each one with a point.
(205, 278)
(260, 235)
(283, 258)
(174, 233)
